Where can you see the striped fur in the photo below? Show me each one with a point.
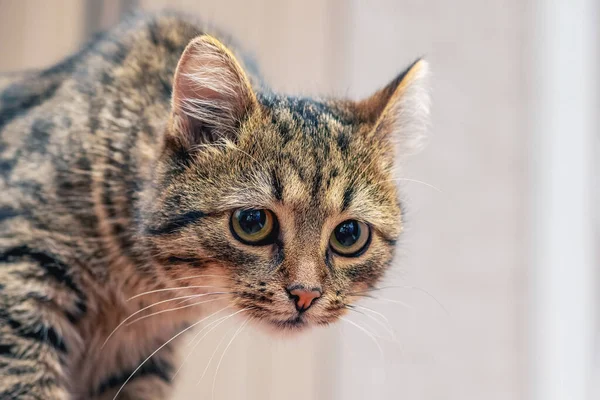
(119, 169)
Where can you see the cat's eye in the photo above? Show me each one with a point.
(350, 238)
(253, 226)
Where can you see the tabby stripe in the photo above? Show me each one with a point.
(15, 390)
(390, 242)
(183, 260)
(18, 98)
(40, 333)
(343, 142)
(7, 213)
(176, 223)
(20, 370)
(161, 370)
(154, 33)
(13, 105)
(277, 186)
(348, 196)
(6, 350)
(6, 166)
(81, 307)
(255, 297)
(53, 267)
(317, 182)
(328, 262)
(117, 207)
(279, 255)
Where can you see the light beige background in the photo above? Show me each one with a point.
(465, 240)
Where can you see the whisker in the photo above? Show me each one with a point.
(365, 294)
(213, 354)
(373, 311)
(415, 181)
(362, 169)
(394, 301)
(172, 309)
(223, 355)
(191, 299)
(418, 289)
(168, 290)
(217, 322)
(217, 348)
(202, 276)
(225, 145)
(139, 311)
(196, 335)
(365, 331)
(387, 326)
(186, 300)
(156, 351)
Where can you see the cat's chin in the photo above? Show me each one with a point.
(287, 327)
(282, 322)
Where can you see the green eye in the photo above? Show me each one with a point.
(255, 227)
(350, 238)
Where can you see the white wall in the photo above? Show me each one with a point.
(465, 244)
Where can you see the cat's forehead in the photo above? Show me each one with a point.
(308, 160)
(311, 159)
(307, 118)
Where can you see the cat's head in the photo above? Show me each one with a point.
(287, 206)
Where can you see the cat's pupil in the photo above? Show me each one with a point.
(252, 221)
(347, 233)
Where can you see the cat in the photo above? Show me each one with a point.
(153, 177)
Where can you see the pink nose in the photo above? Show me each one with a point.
(303, 297)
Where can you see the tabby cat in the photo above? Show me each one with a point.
(153, 173)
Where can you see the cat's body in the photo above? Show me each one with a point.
(100, 203)
(76, 147)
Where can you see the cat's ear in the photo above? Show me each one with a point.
(399, 113)
(211, 94)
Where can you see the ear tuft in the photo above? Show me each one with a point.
(400, 111)
(211, 93)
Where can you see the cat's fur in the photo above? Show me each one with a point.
(118, 177)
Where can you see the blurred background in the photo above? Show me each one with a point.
(496, 284)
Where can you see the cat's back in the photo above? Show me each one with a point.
(82, 132)
(134, 60)
(8, 78)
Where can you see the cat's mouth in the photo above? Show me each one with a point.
(300, 323)
(280, 321)
(282, 316)
(296, 323)
(292, 323)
